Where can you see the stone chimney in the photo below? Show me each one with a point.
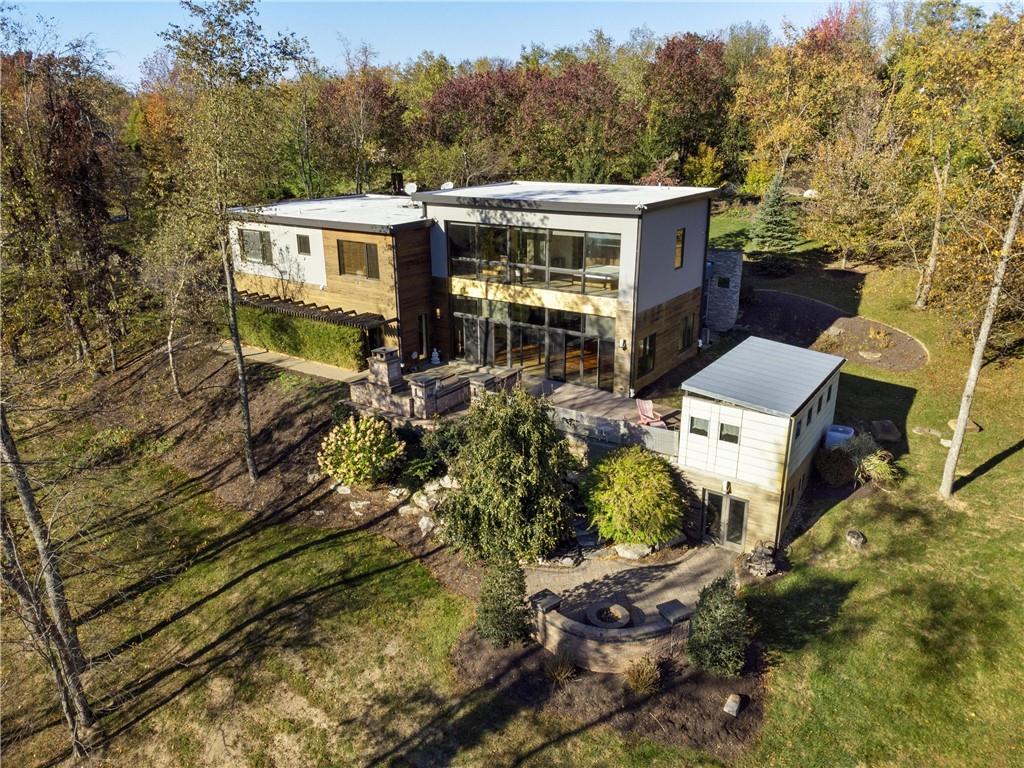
(386, 367)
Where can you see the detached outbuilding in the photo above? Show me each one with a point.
(750, 425)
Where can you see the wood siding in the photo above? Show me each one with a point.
(412, 267)
(762, 523)
(666, 321)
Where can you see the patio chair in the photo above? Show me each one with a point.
(650, 417)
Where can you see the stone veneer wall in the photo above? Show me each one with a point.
(723, 304)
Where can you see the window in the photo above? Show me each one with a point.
(686, 335)
(828, 395)
(698, 426)
(819, 404)
(728, 433)
(645, 360)
(302, 244)
(723, 282)
(256, 246)
(359, 259)
(810, 415)
(602, 265)
(680, 244)
(799, 424)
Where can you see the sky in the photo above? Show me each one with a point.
(128, 32)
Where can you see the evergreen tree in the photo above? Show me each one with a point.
(503, 616)
(775, 230)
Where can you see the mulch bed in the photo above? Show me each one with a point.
(685, 711)
(809, 323)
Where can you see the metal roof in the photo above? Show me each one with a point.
(379, 214)
(614, 199)
(765, 375)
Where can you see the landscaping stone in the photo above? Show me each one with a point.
(972, 426)
(674, 611)
(344, 490)
(761, 561)
(832, 332)
(432, 487)
(425, 501)
(314, 477)
(358, 507)
(869, 355)
(926, 431)
(884, 431)
(856, 539)
(733, 704)
(945, 442)
(633, 551)
(408, 510)
(449, 483)
(427, 525)
(399, 493)
(318, 513)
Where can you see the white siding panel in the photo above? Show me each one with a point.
(288, 264)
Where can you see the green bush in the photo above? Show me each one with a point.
(503, 616)
(719, 629)
(338, 345)
(360, 451)
(632, 497)
(512, 498)
(443, 443)
(879, 468)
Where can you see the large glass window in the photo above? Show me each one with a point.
(256, 246)
(645, 358)
(576, 262)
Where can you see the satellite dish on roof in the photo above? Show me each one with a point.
(448, 185)
(410, 188)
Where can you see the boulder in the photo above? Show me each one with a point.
(344, 490)
(398, 493)
(408, 510)
(633, 551)
(869, 355)
(927, 431)
(945, 442)
(425, 501)
(972, 426)
(427, 525)
(449, 483)
(733, 704)
(432, 486)
(884, 431)
(856, 539)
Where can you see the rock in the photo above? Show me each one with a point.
(732, 704)
(432, 487)
(425, 501)
(399, 493)
(450, 483)
(314, 477)
(567, 562)
(632, 551)
(869, 355)
(884, 431)
(358, 507)
(945, 442)
(344, 490)
(856, 539)
(833, 332)
(926, 431)
(408, 510)
(318, 513)
(427, 524)
(972, 426)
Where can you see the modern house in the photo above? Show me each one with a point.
(598, 285)
(750, 425)
(364, 258)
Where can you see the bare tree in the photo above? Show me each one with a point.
(1005, 254)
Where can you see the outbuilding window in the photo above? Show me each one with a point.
(698, 426)
(256, 246)
(302, 244)
(728, 433)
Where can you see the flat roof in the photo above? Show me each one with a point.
(355, 213)
(765, 375)
(609, 199)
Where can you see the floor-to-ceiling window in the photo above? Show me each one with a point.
(561, 260)
(557, 344)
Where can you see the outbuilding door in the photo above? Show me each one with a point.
(725, 519)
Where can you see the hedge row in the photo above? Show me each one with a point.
(339, 345)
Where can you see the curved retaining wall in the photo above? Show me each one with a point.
(605, 650)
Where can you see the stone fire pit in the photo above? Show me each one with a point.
(608, 615)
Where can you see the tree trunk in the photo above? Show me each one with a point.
(949, 471)
(108, 327)
(170, 339)
(74, 704)
(924, 284)
(52, 580)
(236, 342)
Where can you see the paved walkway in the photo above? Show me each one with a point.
(297, 364)
(639, 587)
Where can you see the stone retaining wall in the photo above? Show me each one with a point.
(606, 650)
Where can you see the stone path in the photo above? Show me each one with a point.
(281, 360)
(639, 587)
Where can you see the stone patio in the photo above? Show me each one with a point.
(637, 586)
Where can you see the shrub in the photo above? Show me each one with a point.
(342, 412)
(503, 616)
(775, 229)
(643, 676)
(561, 669)
(443, 443)
(879, 468)
(512, 499)
(835, 466)
(719, 629)
(360, 452)
(339, 345)
(632, 498)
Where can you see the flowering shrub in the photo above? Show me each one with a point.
(360, 451)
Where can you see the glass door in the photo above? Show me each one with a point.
(714, 504)
(725, 519)
(735, 523)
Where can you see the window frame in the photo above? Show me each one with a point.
(680, 248)
(371, 267)
(707, 426)
(266, 246)
(646, 351)
(298, 245)
(722, 425)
